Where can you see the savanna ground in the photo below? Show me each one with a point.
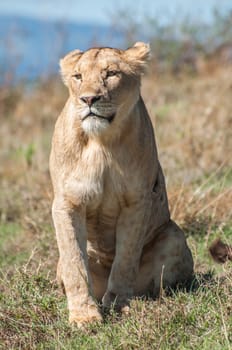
(193, 122)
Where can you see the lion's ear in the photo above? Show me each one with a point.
(138, 56)
(68, 63)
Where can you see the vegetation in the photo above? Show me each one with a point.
(193, 123)
(179, 43)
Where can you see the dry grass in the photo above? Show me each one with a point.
(193, 122)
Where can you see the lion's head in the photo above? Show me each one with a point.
(104, 84)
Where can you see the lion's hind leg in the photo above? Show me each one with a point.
(167, 262)
(173, 262)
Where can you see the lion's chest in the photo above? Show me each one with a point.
(94, 178)
(103, 206)
(97, 184)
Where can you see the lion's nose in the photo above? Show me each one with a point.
(90, 100)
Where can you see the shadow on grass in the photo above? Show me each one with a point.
(199, 281)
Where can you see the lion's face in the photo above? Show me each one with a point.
(103, 82)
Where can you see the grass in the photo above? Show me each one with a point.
(192, 118)
(34, 316)
(10, 236)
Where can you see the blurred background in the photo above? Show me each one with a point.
(188, 93)
(182, 33)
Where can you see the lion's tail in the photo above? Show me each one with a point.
(220, 251)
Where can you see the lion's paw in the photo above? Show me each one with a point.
(84, 317)
(120, 303)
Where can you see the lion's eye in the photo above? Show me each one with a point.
(77, 76)
(111, 73)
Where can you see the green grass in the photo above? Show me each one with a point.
(33, 312)
(10, 236)
(33, 315)
(163, 111)
(218, 181)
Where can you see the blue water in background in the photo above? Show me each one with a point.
(31, 47)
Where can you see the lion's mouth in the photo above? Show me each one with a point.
(108, 118)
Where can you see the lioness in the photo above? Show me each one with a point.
(110, 209)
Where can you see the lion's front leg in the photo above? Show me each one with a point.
(130, 234)
(71, 238)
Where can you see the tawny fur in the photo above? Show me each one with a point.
(110, 208)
